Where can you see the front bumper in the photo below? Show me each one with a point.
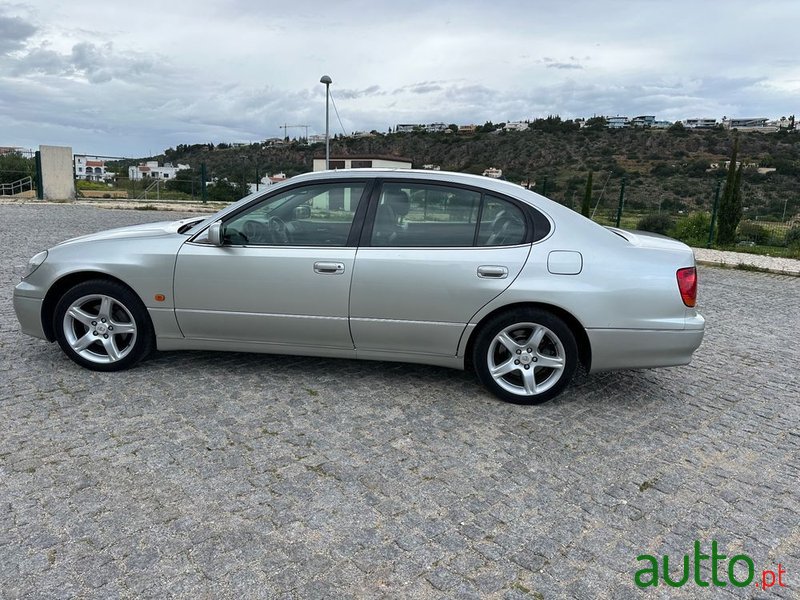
(29, 315)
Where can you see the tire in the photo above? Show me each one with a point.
(525, 356)
(103, 326)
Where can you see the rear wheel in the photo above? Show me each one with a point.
(525, 356)
(103, 326)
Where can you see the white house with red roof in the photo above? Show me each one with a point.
(152, 170)
(91, 168)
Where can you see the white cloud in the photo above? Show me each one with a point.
(138, 79)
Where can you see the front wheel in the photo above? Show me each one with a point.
(525, 356)
(103, 326)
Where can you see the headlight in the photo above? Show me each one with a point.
(34, 264)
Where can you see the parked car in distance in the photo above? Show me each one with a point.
(396, 265)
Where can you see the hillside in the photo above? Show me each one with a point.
(667, 169)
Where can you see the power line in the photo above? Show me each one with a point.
(336, 110)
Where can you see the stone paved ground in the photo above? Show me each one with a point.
(210, 475)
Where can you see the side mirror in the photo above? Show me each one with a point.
(215, 234)
(302, 212)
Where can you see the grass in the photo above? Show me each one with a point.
(776, 251)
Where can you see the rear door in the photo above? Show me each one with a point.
(430, 257)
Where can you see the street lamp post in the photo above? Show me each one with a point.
(327, 81)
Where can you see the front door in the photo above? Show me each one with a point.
(282, 275)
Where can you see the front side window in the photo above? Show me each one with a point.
(425, 215)
(315, 215)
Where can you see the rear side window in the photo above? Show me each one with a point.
(502, 223)
(424, 215)
(421, 214)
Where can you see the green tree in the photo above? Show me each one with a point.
(596, 123)
(223, 191)
(678, 129)
(730, 205)
(186, 181)
(586, 205)
(14, 166)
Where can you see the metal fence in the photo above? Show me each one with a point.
(18, 173)
(150, 190)
(775, 231)
(183, 186)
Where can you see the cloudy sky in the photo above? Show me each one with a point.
(134, 78)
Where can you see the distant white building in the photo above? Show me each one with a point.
(152, 170)
(266, 181)
(516, 126)
(746, 124)
(700, 123)
(358, 134)
(661, 124)
(363, 162)
(11, 150)
(617, 122)
(91, 168)
(317, 138)
(407, 127)
(493, 173)
(435, 127)
(643, 121)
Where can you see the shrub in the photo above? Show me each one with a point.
(663, 170)
(693, 229)
(793, 237)
(662, 224)
(752, 232)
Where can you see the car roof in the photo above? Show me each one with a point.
(498, 185)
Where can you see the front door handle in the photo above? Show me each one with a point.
(329, 268)
(492, 272)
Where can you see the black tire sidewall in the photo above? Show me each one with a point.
(143, 345)
(524, 315)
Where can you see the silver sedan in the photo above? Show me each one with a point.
(425, 267)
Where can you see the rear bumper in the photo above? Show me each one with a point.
(29, 315)
(641, 349)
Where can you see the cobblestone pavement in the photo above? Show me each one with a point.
(212, 475)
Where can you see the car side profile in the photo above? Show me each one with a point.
(398, 265)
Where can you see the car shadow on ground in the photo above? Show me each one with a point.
(617, 387)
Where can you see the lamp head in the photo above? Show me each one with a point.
(326, 80)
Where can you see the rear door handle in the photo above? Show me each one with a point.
(329, 268)
(492, 272)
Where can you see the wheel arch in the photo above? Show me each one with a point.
(60, 287)
(581, 338)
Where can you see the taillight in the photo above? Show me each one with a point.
(687, 284)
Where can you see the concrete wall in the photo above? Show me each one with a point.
(58, 182)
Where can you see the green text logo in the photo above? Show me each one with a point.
(673, 575)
